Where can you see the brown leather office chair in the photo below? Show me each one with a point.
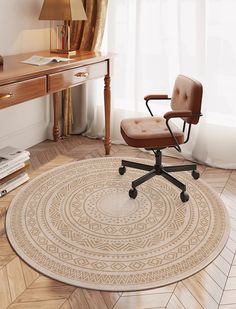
(156, 133)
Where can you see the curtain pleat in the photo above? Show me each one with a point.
(100, 24)
(87, 36)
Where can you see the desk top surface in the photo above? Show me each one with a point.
(14, 70)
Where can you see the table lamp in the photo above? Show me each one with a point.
(66, 11)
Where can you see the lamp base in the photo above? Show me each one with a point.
(63, 51)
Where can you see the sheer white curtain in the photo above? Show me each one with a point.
(154, 41)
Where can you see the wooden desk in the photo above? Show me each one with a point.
(22, 82)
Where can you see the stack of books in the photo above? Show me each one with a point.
(13, 166)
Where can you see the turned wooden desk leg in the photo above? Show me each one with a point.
(56, 130)
(107, 107)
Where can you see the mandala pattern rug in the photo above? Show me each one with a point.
(77, 224)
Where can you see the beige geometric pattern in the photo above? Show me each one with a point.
(77, 224)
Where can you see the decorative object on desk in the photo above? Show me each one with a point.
(84, 36)
(13, 166)
(76, 224)
(64, 11)
(1, 60)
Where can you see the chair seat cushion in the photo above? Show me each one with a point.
(150, 132)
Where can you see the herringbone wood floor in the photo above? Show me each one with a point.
(23, 288)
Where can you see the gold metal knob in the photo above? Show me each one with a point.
(82, 74)
(6, 96)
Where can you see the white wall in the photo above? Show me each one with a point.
(25, 124)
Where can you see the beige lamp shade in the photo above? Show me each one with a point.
(62, 10)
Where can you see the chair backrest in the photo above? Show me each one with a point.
(187, 95)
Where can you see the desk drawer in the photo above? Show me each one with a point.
(15, 93)
(69, 78)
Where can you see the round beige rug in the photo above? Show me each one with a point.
(77, 224)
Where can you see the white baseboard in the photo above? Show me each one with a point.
(27, 136)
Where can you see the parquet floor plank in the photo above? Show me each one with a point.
(42, 282)
(110, 298)
(221, 263)
(48, 304)
(143, 301)
(216, 274)
(15, 278)
(185, 297)
(2, 225)
(234, 261)
(5, 259)
(216, 178)
(233, 271)
(174, 303)
(227, 254)
(5, 294)
(229, 298)
(3, 209)
(231, 244)
(231, 283)
(29, 274)
(233, 306)
(5, 248)
(210, 285)
(200, 293)
(77, 300)
(66, 305)
(94, 299)
(45, 293)
(233, 230)
(231, 185)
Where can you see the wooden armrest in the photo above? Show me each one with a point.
(179, 113)
(156, 97)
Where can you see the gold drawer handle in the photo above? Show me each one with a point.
(82, 74)
(6, 96)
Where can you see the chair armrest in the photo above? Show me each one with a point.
(178, 114)
(156, 97)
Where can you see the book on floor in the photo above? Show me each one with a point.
(13, 172)
(13, 168)
(13, 183)
(10, 156)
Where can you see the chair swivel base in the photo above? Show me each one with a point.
(158, 169)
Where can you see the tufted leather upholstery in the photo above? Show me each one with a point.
(148, 132)
(152, 132)
(187, 95)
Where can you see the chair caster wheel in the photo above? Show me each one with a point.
(195, 174)
(122, 170)
(184, 196)
(133, 193)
